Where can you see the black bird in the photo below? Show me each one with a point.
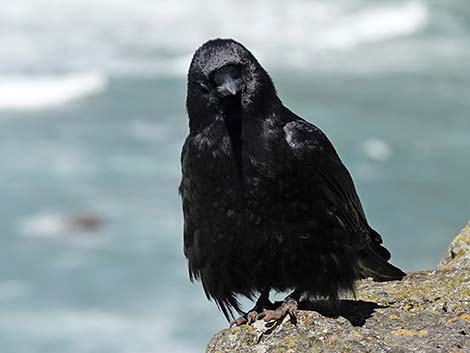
(267, 202)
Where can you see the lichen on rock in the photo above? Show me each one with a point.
(428, 311)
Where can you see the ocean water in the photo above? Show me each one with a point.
(92, 120)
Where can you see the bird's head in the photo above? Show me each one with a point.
(225, 76)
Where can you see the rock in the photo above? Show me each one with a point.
(428, 311)
(458, 253)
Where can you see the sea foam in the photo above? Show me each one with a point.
(39, 92)
(376, 149)
(373, 24)
(158, 37)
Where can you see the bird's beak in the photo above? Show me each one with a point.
(229, 87)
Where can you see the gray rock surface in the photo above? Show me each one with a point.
(458, 253)
(428, 311)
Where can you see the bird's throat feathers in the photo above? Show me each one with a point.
(233, 117)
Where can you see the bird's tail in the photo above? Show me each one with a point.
(373, 265)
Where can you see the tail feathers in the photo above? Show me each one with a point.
(373, 265)
(377, 244)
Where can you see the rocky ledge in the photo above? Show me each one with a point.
(428, 311)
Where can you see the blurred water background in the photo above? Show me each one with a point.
(92, 119)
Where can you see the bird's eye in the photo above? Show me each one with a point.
(204, 87)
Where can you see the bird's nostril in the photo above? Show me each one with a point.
(229, 87)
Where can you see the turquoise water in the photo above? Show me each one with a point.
(92, 120)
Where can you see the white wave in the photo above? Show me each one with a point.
(30, 92)
(43, 225)
(376, 149)
(158, 36)
(56, 224)
(374, 24)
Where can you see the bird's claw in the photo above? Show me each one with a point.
(251, 316)
(288, 307)
(248, 318)
(270, 316)
(239, 321)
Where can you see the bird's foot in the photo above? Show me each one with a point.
(248, 318)
(288, 307)
(263, 303)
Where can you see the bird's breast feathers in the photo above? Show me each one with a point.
(209, 154)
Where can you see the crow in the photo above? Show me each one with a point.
(267, 202)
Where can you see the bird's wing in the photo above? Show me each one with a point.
(315, 153)
(317, 156)
(189, 229)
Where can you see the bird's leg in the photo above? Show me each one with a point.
(262, 303)
(288, 306)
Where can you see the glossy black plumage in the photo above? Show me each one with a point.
(267, 202)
